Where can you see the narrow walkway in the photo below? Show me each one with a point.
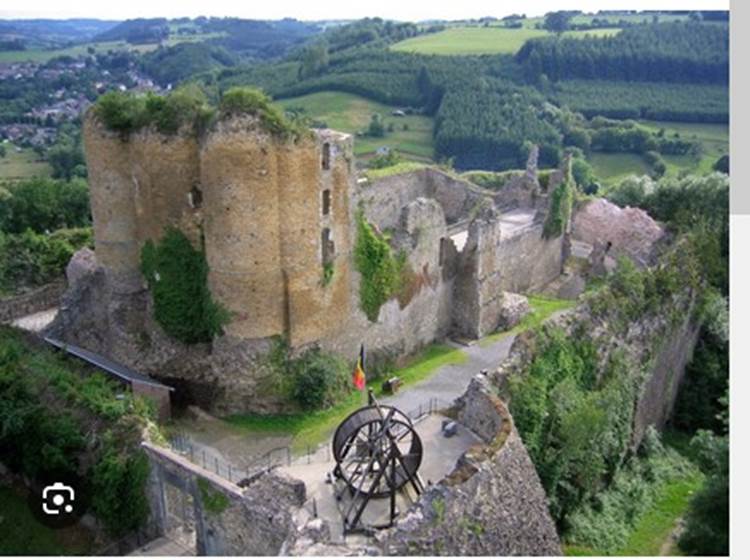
(450, 381)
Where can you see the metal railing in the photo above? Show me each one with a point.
(198, 454)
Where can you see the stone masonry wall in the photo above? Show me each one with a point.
(493, 262)
(491, 504)
(39, 299)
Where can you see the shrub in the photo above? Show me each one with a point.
(44, 205)
(243, 100)
(177, 275)
(318, 379)
(31, 259)
(126, 112)
(389, 159)
(118, 484)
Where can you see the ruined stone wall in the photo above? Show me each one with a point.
(673, 351)
(255, 520)
(493, 262)
(112, 195)
(424, 315)
(316, 199)
(491, 504)
(140, 186)
(39, 299)
(384, 198)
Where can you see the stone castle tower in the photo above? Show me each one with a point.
(272, 215)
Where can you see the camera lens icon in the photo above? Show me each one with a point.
(57, 499)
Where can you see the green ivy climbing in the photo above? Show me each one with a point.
(560, 207)
(177, 275)
(379, 267)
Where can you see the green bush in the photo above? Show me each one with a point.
(317, 379)
(44, 205)
(605, 523)
(707, 522)
(573, 416)
(118, 488)
(31, 259)
(177, 275)
(48, 407)
(127, 112)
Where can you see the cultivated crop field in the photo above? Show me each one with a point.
(352, 114)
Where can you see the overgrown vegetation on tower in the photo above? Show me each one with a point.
(177, 275)
(127, 112)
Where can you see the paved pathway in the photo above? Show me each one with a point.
(450, 381)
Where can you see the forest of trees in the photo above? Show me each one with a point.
(648, 100)
(665, 52)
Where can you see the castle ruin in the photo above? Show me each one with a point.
(277, 220)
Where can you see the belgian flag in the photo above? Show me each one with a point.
(358, 377)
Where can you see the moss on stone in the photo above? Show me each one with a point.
(214, 502)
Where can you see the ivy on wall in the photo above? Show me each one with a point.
(177, 275)
(560, 207)
(381, 270)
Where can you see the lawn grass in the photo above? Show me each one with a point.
(402, 167)
(654, 528)
(610, 168)
(22, 165)
(541, 309)
(22, 535)
(311, 428)
(351, 113)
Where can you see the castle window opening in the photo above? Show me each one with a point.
(326, 202)
(195, 197)
(327, 246)
(326, 161)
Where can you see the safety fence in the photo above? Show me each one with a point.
(209, 459)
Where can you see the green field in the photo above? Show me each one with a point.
(481, 40)
(352, 114)
(22, 165)
(610, 168)
(43, 55)
(714, 137)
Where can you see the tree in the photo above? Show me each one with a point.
(314, 60)
(557, 21)
(722, 164)
(3, 151)
(376, 128)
